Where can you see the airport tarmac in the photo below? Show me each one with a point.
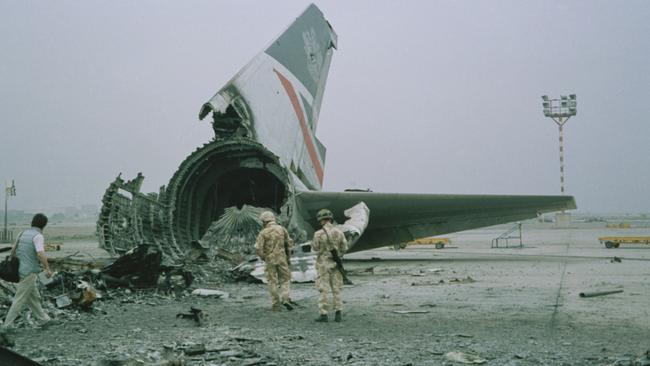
(514, 306)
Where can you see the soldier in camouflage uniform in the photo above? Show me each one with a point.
(326, 240)
(273, 246)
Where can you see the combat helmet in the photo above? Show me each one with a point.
(325, 214)
(267, 216)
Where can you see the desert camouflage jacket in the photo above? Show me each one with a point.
(323, 245)
(273, 243)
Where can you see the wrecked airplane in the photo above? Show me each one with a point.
(265, 154)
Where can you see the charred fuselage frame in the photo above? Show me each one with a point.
(221, 174)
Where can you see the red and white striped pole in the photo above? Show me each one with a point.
(560, 124)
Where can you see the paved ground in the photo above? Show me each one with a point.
(516, 306)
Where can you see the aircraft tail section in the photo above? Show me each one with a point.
(305, 49)
(276, 98)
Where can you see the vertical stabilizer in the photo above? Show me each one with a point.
(275, 99)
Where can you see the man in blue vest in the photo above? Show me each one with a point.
(30, 250)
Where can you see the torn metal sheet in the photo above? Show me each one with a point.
(358, 217)
(206, 292)
(303, 269)
(140, 267)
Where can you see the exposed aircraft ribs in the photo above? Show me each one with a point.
(219, 175)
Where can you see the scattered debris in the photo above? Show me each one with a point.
(62, 301)
(195, 314)
(50, 247)
(424, 272)
(428, 283)
(199, 252)
(194, 349)
(599, 293)
(208, 292)
(410, 311)
(139, 267)
(70, 264)
(247, 339)
(457, 356)
(467, 279)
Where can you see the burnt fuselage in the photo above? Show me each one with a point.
(221, 174)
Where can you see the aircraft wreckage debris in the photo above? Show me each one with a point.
(457, 356)
(195, 314)
(599, 293)
(210, 293)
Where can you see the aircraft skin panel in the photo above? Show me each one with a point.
(396, 218)
(307, 134)
(305, 48)
(282, 88)
(280, 122)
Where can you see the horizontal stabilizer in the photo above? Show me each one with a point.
(396, 218)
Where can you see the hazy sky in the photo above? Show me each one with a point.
(422, 96)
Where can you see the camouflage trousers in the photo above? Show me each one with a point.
(329, 279)
(278, 277)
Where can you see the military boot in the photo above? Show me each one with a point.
(288, 306)
(337, 316)
(322, 318)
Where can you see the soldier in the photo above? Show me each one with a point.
(327, 242)
(273, 246)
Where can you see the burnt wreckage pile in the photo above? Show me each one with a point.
(140, 268)
(217, 181)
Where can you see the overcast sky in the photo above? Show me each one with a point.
(422, 96)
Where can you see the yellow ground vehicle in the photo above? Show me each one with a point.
(616, 241)
(438, 242)
(620, 225)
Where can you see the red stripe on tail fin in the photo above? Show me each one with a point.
(306, 133)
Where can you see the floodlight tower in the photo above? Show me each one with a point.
(560, 110)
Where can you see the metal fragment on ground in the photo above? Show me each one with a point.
(411, 311)
(599, 293)
(457, 356)
(139, 267)
(195, 314)
(209, 292)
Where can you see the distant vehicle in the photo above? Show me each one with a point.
(616, 241)
(619, 225)
(438, 242)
